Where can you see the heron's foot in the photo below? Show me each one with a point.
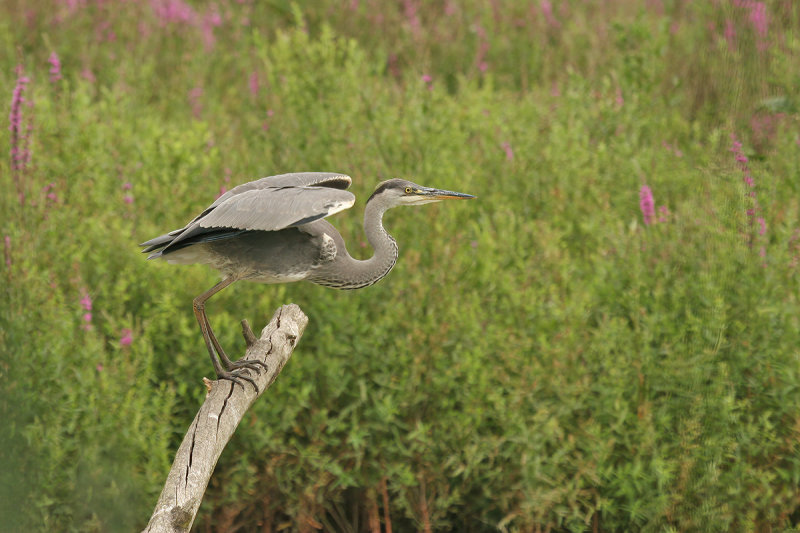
(251, 364)
(238, 377)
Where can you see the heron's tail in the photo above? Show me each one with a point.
(181, 238)
(157, 244)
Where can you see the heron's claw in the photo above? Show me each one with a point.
(236, 377)
(252, 364)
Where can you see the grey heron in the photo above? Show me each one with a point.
(272, 230)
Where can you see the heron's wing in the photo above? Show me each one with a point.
(266, 204)
(276, 208)
(295, 179)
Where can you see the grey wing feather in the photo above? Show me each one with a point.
(273, 208)
(294, 179)
(268, 204)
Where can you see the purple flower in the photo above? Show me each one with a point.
(55, 68)
(224, 187)
(127, 337)
(547, 11)
(758, 17)
(195, 95)
(173, 11)
(88, 75)
(20, 156)
(509, 152)
(210, 21)
(86, 301)
(663, 213)
(762, 225)
(754, 208)
(7, 249)
(647, 205)
(483, 49)
(253, 81)
(730, 34)
(410, 8)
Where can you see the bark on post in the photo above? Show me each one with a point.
(215, 422)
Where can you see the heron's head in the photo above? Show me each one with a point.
(396, 192)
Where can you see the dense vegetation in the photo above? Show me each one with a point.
(607, 339)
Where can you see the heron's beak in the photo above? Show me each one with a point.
(440, 194)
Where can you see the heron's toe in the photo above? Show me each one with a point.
(238, 378)
(252, 364)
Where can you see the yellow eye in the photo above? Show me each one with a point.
(409, 190)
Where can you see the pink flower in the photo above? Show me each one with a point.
(7, 249)
(758, 17)
(754, 208)
(88, 75)
(547, 10)
(410, 8)
(127, 337)
(224, 187)
(647, 205)
(127, 186)
(253, 83)
(86, 302)
(173, 11)
(730, 34)
(195, 95)
(483, 49)
(509, 152)
(663, 213)
(265, 124)
(210, 21)
(762, 225)
(20, 156)
(128, 199)
(55, 68)
(49, 193)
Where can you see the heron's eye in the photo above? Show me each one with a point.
(409, 190)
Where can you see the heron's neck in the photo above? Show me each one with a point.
(384, 248)
(367, 272)
(347, 272)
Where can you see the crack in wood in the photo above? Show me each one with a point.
(191, 453)
(224, 405)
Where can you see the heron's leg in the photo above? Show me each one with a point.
(213, 344)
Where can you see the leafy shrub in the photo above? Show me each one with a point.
(540, 358)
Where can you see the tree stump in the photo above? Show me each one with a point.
(213, 426)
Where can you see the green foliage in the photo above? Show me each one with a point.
(539, 359)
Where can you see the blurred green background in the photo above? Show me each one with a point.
(606, 340)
